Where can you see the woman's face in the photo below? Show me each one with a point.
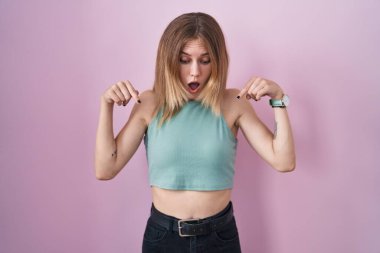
(195, 67)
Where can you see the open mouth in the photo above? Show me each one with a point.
(194, 86)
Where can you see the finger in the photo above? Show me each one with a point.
(263, 89)
(247, 96)
(133, 92)
(262, 92)
(118, 93)
(254, 88)
(250, 93)
(246, 88)
(123, 89)
(115, 97)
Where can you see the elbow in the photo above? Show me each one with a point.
(102, 177)
(103, 174)
(285, 167)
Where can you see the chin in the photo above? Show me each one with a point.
(198, 95)
(192, 96)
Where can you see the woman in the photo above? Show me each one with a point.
(189, 123)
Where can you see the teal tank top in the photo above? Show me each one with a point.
(194, 150)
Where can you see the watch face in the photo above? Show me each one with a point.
(286, 100)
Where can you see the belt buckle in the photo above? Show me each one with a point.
(180, 227)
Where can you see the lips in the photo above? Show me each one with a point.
(194, 86)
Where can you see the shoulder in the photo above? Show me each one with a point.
(149, 97)
(233, 107)
(231, 93)
(230, 101)
(148, 106)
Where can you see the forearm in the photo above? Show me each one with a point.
(105, 148)
(283, 143)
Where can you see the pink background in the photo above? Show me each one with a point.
(57, 57)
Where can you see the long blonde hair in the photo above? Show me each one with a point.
(167, 84)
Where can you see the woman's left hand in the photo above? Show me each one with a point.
(258, 87)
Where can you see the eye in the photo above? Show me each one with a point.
(205, 61)
(184, 60)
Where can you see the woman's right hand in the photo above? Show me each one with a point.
(120, 93)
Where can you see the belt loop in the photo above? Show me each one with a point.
(173, 223)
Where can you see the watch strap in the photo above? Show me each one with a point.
(276, 103)
(283, 102)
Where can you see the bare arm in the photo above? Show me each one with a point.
(112, 154)
(275, 148)
(105, 147)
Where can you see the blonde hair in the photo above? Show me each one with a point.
(167, 84)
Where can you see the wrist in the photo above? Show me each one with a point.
(280, 95)
(105, 102)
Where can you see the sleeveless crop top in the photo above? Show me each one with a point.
(194, 150)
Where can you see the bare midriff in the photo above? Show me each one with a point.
(190, 204)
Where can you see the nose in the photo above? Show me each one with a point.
(195, 70)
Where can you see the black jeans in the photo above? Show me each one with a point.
(158, 239)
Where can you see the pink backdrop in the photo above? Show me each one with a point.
(57, 57)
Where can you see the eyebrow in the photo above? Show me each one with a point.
(182, 52)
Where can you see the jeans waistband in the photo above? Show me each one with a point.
(193, 227)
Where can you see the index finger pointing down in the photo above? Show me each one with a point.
(242, 92)
(246, 88)
(134, 93)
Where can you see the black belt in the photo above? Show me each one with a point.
(193, 227)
